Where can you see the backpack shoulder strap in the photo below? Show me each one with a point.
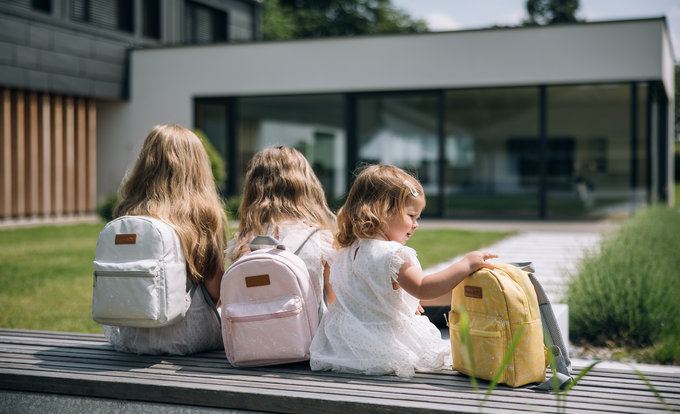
(313, 231)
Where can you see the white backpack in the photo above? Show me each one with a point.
(140, 275)
(269, 307)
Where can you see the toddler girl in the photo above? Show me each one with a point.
(171, 181)
(283, 198)
(374, 327)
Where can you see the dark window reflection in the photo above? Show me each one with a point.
(492, 153)
(401, 130)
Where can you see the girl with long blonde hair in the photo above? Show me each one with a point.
(283, 198)
(379, 282)
(171, 180)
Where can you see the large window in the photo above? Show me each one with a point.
(491, 152)
(203, 24)
(109, 14)
(526, 152)
(311, 124)
(41, 5)
(401, 130)
(590, 150)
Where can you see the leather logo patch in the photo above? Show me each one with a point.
(473, 292)
(254, 281)
(130, 238)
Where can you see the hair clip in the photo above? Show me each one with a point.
(411, 187)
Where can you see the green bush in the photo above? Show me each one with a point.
(105, 207)
(628, 291)
(232, 206)
(217, 165)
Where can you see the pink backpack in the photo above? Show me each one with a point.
(269, 309)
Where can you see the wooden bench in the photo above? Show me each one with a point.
(44, 368)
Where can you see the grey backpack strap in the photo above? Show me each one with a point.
(210, 303)
(306, 240)
(561, 363)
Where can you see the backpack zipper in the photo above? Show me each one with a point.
(256, 318)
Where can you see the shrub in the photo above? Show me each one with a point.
(217, 165)
(232, 207)
(106, 206)
(627, 292)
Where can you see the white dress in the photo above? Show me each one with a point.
(199, 331)
(372, 328)
(315, 253)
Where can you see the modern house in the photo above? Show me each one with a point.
(62, 64)
(544, 122)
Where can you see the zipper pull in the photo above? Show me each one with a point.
(446, 319)
(230, 322)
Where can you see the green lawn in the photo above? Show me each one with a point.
(46, 273)
(46, 278)
(436, 246)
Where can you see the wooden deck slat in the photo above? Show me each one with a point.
(425, 401)
(633, 405)
(95, 368)
(86, 365)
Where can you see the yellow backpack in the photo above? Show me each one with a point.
(498, 303)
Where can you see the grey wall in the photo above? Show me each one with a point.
(49, 52)
(41, 57)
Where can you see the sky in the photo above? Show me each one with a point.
(443, 15)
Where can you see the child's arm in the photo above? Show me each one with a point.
(413, 281)
(328, 289)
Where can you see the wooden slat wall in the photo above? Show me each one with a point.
(6, 148)
(47, 154)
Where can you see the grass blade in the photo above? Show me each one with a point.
(652, 388)
(506, 359)
(468, 353)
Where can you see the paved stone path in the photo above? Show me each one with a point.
(554, 255)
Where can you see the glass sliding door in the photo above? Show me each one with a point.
(492, 152)
(313, 124)
(401, 130)
(589, 150)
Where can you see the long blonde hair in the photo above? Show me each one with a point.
(280, 185)
(378, 191)
(172, 181)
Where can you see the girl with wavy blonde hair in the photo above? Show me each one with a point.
(379, 283)
(171, 180)
(283, 198)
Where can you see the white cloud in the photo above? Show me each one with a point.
(440, 22)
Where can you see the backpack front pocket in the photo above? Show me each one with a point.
(267, 332)
(489, 343)
(126, 292)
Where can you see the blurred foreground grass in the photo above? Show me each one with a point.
(46, 272)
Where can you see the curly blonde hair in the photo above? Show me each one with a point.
(378, 191)
(280, 185)
(172, 181)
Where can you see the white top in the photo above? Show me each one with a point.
(372, 328)
(315, 253)
(199, 331)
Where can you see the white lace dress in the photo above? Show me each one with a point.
(371, 328)
(199, 331)
(315, 253)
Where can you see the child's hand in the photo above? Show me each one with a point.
(478, 260)
(420, 310)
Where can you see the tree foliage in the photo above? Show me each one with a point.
(292, 19)
(552, 11)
